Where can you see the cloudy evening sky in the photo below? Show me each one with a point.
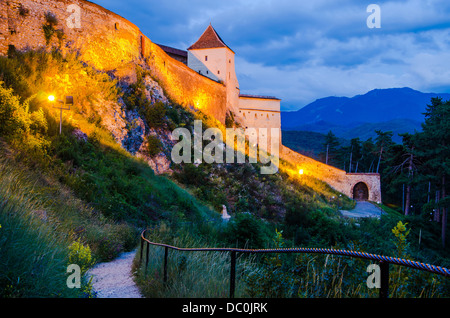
(300, 51)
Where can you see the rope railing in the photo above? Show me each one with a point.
(383, 260)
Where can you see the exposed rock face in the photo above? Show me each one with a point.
(131, 131)
(154, 91)
(81, 136)
(136, 132)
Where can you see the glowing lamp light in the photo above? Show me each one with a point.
(51, 98)
(300, 172)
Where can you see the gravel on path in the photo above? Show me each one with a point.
(114, 279)
(363, 209)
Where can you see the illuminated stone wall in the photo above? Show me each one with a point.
(110, 43)
(336, 178)
(186, 86)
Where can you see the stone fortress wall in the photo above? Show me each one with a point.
(336, 178)
(111, 43)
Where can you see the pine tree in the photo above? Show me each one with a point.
(434, 151)
(383, 141)
(331, 144)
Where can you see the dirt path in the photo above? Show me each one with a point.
(363, 209)
(114, 279)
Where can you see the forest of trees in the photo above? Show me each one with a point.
(414, 174)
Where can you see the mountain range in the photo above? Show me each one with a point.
(398, 110)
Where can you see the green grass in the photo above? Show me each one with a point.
(96, 192)
(33, 259)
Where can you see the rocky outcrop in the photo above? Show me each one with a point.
(131, 131)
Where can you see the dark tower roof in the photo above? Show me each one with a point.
(209, 39)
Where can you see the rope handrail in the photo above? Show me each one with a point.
(384, 261)
(393, 260)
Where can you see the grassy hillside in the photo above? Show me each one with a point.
(84, 187)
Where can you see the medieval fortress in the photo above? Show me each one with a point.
(203, 77)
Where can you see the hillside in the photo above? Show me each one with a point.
(94, 184)
(105, 162)
(78, 187)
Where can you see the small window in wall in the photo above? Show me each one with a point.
(218, 72)
(206, 58)
(229, 61)
(116, 26)
(207, 72)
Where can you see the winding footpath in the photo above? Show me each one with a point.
(114, 279)
(363, 209)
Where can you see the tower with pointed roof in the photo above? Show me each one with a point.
(211, 57)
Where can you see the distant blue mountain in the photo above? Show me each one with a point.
(397, 109)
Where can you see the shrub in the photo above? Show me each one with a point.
(154, 114)
(49, 26)
(247, 230)
(154, 145)
(80, 255)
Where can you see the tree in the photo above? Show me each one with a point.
(367, 156)
(434, 150)
(383, 141)
(403, 162)
(331, 144)
(355, 154)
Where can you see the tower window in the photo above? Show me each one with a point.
(206, 58)
(218, 72)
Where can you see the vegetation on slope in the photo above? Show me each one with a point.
(95, 192)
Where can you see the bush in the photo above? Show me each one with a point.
(80, 255)
(154, 145)
(246, 230)
(154, 114)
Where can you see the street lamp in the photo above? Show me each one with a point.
(65, 105)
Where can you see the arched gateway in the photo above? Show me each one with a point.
(361, 192)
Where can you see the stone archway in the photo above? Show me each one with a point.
(361, 192)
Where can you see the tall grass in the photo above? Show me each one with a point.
(33, 260)
(207, 274)
(189, 274)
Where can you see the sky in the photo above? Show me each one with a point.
(300, 51)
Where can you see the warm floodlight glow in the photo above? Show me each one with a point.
(300, 172)
(51, 98)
